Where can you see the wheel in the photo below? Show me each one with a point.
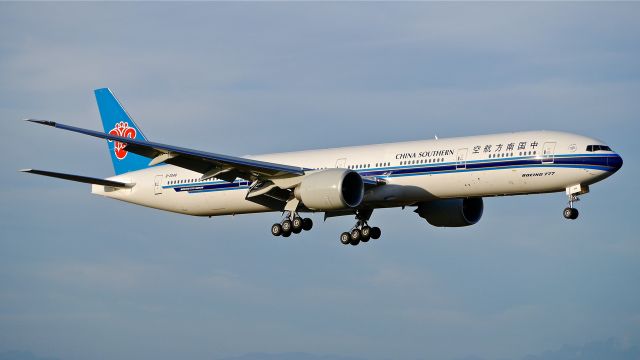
(276, 230)
(575, 214)
(355, 236)
(286, 226)
(354, 242)
(296, 225)
(375, 232)
(365, 233)
(286, 234)
(570, 213)
(345, 238)
(307, 224)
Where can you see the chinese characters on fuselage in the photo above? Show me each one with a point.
(489, 148)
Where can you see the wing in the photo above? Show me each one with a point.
(210, 165)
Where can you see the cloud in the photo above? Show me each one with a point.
(289, 356)
(22, 355)
(595, 350)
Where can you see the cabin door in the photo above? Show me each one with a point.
(157, 186)
(461, 158)
(548, 152)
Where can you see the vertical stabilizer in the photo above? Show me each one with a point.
(116, 121)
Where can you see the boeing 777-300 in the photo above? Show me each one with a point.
(445, 179)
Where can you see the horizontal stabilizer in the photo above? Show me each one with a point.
(78, 178)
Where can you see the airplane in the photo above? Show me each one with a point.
(444, 179)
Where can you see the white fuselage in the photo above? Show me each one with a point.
(415, 171)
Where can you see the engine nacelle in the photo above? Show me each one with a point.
(451, 212)
(331, 189)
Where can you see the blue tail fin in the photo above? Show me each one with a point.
(116, 121)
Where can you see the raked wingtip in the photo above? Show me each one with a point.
(43, 122)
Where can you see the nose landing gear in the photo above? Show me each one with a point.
(570, 212)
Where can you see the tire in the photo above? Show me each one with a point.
(575, 214)
(568, 213)
(287, 226)
(307, 224)
(356, 235)
(354, 242)
(375, 232)
(365, 234)
(296, 225)
(276, 230)
(286, 234)
(345, 238)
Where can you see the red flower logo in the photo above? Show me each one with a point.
(122, 129)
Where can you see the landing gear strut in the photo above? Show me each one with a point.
(361, 232)
(291, 224)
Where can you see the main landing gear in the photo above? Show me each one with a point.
(292, 224)
(361, 232)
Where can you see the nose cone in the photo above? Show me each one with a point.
(615, 162)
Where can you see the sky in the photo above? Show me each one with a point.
(83, 277)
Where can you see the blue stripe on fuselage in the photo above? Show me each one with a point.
(580, 161)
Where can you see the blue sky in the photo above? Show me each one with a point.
(83, 277)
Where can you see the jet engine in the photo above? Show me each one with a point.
(331, 189)
(451, 212)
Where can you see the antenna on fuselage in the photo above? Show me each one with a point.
(436, 136)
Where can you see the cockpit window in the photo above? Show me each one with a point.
(592, 148)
